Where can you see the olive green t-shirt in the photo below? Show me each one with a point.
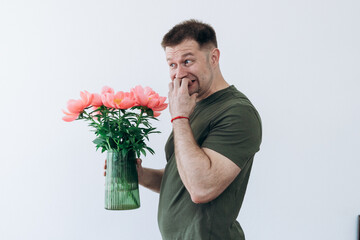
(227, 123)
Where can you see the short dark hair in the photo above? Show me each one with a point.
(191, 29)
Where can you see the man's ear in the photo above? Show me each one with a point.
(215, 56)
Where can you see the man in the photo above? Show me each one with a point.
(216, 132)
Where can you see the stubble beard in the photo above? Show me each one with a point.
(197, 90)
(204, 91)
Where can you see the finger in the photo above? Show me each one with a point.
(185, 85)
(177, 82)
(138, 161)
(194, 96)
(171, 86)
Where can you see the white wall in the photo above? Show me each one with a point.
(298, 61)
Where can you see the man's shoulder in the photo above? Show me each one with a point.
(225, 103)
(233, 100)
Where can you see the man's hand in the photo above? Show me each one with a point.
(140, 170)
(180, 102)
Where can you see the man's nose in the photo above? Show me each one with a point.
(180, 72)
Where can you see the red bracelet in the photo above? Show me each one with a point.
(178, 117)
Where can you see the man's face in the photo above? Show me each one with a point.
(186, 60)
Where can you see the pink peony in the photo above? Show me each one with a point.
(69, 117)
(107, 89)
(75, 107)
(96, 102)
(120, 100)
(148, 98)
(124, 100)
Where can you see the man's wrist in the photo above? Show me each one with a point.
(179, 117)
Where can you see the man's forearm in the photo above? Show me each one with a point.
(151, 178)
(193, 164)
(204, 172)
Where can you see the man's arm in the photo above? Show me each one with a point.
(204, 172)
(149, 178)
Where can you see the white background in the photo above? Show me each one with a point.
(298, 61)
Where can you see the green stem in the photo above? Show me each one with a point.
(139, 118)
(89, 117)
(108, 144)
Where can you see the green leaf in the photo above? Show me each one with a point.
(143, 152)
(150, 150)
(99, 141)
(138, 153)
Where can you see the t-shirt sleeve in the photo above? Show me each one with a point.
(236, 134)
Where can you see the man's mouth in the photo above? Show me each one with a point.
(191, 82)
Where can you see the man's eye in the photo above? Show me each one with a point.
(172, 65)
(187, 62)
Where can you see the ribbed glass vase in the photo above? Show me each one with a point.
(121, 184)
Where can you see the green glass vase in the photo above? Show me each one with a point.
(121, 182)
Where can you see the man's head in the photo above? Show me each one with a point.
(191, 54)
(192, 29)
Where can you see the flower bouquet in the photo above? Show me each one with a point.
(121, 125)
